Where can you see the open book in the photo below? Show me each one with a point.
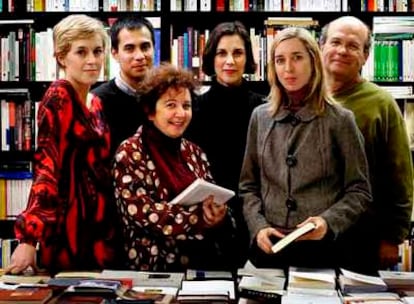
(199, 190)
(292, 236)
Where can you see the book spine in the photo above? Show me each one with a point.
(260, 296)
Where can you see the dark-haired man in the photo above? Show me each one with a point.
(132, 46)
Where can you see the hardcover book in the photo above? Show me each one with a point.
(260, 288)
(26, 295)
(199, 190)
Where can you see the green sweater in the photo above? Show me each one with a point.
(389, 156)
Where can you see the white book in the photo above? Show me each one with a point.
(260, 284)
(205, 5)
(250, 270)
(199, 190)
(208, 287)
(292, 236)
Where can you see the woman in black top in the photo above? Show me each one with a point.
(221, 115)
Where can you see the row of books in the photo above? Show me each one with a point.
(187, 47)
(80, 6)
(259, 5)
(390, 60)
(17, 127)
(177, 5)
(387, 5)
(14, 193)
(27, 55)
(307, 285)
(124, 285)
(292, 285)
(92, 5)
(7, 247)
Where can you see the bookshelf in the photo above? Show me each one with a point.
(174, 20)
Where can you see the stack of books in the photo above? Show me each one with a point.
(352, 282)
(261, 283)
(399, 281)
(316, 281)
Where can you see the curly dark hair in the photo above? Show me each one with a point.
(160, 79)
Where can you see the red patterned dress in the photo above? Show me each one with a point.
(160, 236)
(70, 211)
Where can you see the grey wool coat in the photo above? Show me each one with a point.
(303, 164)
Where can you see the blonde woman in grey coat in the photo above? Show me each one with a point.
(304, 161)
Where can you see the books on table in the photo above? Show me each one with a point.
(282, 243)
(352, 282)
(261, 283)
(195, 289)
(398, 280)
(146, 278)
(201, 189)
(372, 297)
(315, 281)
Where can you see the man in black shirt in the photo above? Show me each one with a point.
(132, 46)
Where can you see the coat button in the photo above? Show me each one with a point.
(294, 121)
(291, 204)
(291, 160)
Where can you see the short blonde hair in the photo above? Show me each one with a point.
(76, 27)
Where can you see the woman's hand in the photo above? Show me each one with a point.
(213, 213)
(321, 228)
(22, 258)
(263, 238)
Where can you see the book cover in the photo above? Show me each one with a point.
(110, 289)
(196, 274)
(258, 287)
(80, 299)
(26, 295)
(208, 288)
(282, 243)
(29, 278)
(199, 190)
(145, 278)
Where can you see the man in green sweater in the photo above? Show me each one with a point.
(345, 44)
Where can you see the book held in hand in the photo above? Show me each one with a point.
(201, 189)
(282, 243)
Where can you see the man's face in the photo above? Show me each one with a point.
(343, 52)
(135, 54)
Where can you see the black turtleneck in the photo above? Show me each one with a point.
(219, 126)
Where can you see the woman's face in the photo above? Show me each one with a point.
(230, 60)
(292, 64)
(173, 112)
(83, 63)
